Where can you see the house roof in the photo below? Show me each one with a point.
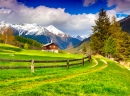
(49, 44)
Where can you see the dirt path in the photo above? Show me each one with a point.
(34, 84)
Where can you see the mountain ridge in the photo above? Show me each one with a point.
(42, 34)
(125, 24)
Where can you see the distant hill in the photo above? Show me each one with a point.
(85, 40)
(79, 46)
(125, 24)
(20, 41)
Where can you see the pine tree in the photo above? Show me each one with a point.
(84, 49)
(1, 40)
(122, 40)
(110, 47)
(100, 32)
(124, 46)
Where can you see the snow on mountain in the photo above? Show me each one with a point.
(33, 29)
(82, 37)
(30, 29)
(42, 34)
(55, 31)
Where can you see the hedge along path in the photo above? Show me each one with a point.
(35, 84)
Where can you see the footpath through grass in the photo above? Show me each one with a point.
(96, 78)
(101, 77)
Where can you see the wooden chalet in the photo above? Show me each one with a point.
(50, 47)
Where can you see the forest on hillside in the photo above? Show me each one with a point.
(108, 39)
(7, 37)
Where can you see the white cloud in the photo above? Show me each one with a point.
(5, 11)
(71, 24)
(122, 6)
(89, 2)
(112, 13)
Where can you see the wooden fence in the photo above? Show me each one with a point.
(43, 61)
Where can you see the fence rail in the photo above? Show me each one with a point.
(7, 60)
(42, 61)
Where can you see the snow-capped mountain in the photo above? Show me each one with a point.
(42, 34)
(55, 31)
(82, 37)
(33, 29)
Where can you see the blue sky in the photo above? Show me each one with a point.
(74, 17)
(71, 6)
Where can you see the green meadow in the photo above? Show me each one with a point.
(100, 77)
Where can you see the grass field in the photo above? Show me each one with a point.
(101, 77)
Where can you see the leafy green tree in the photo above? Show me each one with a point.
(110, 47)
(100, 32)
(25, 46)
(84, 48)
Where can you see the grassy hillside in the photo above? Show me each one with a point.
(101, 77)
(12, 52)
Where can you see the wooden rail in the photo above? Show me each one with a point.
(43, 61)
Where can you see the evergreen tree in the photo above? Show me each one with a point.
(122, 40)
(30, 42)
(110, 47)
(109, 38)
(124, 46)
(1, 40)
(84, 49)
(100, 32)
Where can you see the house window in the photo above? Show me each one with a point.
(50, 46)
(54, 46)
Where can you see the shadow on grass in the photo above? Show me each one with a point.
(7, 49)
(2, 51)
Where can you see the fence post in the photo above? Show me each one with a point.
(82, 61)
(67, 66)
(32, 66)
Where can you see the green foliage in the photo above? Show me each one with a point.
(103, 31)
(30, 42)
(25, 46)
(124, 47)
(100, 32)
(84, 48)
(110, 47)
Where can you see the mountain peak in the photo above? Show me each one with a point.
(54, 30)
(82, 37)
(125, 24)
